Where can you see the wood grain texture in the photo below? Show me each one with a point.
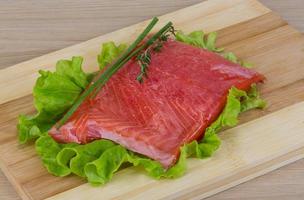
(68, 21)
(238, 159)
(215, 18)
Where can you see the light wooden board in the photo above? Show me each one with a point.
(239, 159)
(214, 15)
(245, 27)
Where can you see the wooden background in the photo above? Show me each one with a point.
(30, 28)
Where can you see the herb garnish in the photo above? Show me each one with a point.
(144, 59)
(131, 52)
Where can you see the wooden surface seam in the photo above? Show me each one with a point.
(236, 35)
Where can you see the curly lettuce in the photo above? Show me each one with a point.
(55, 92)
(99, 160)
(199, 39)
(109, 53)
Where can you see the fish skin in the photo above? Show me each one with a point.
(185, 91)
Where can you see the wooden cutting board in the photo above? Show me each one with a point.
(264, 141)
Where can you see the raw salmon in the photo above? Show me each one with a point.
(185, 91)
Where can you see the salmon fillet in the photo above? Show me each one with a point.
(184, 93)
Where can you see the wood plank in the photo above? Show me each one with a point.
(249, 150)
(269, 53)
(213, 12)
(291, 11)
(26, 22)
(244, 30)
(17, 160)
(279, 99)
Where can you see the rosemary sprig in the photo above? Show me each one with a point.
(132, 51)
(144, 59)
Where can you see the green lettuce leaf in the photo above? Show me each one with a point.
(252, 100)
(195, 38)
(54, 93)
(102, 169)
(72, 70)
(232, 57)
(109, 53)
(98, 161)
(199, 39)
(48, 149)
(28, 129)
(77, 156)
